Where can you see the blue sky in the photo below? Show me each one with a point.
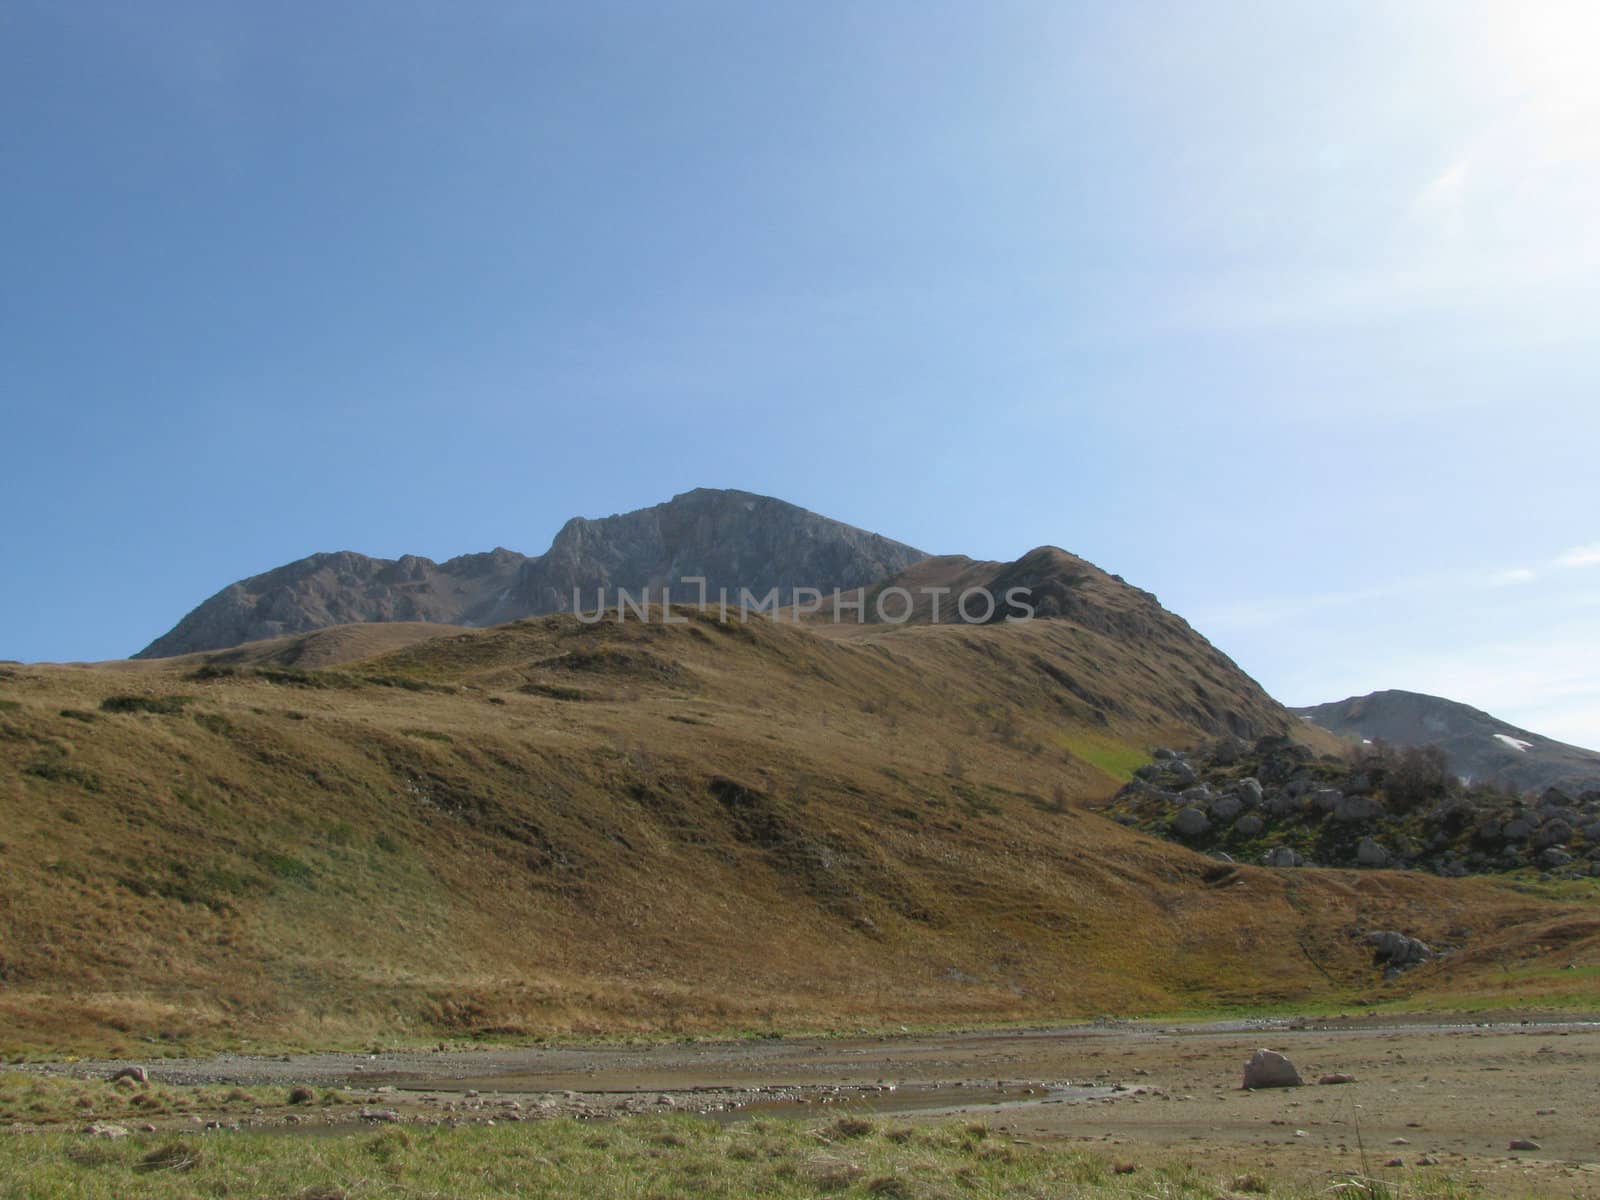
(1286, 313)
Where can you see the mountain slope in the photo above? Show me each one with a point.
(1480, 748)
(733, 539)
(555, 826)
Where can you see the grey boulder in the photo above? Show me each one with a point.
(1226, 808)
(1395, 949)
(1269, 1069)
(1370, 853)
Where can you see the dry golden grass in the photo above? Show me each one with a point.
(555, 828)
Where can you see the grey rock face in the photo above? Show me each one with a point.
(339, 589)
(732, 539)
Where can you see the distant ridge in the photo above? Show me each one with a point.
(1480, 748)
(730, 538)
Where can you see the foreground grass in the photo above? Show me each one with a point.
(657, 1157)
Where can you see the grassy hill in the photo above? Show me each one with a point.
(389, 832)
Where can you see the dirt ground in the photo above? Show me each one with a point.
(1425, 1095)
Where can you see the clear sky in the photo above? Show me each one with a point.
(1286, 312)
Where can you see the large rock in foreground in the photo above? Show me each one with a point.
(1269, 1069)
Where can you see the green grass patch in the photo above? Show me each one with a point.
(555, 691)
(166, 706)
(1116, 759)
(60, 772)
(849, 1157)
(215, 723)
(284, 866)
(294, 677)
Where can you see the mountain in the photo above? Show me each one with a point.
(730, 538)
(399, 830)
(1480, 748)
(324, 590)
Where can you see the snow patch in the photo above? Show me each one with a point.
(1514, 743)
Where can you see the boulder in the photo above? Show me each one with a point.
(1282, 804)
(137, 1074)
(1229, 750)
(1180, 772)
(1451, 816)
(1280, 856)
(1269, 1069)
(1250, 791)
(1554, 856)
(105, 1129)
(1394, 949)
(1190, 822)
(1371, 853)
(1162, 753)
(1356, 809)
(1555, 832)
(1226, 808)
(1518, 829)
(1249, 825)
(1198, 795)
(1326, 799)
(1336, 1077)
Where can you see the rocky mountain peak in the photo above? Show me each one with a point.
(731, 538)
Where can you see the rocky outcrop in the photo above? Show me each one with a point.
(1397, 952)
(732, 539)
(1279, 804)
(1478, 747)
